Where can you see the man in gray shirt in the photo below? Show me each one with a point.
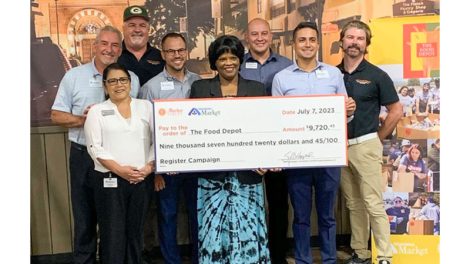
(174, 82)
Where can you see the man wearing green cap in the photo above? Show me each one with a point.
(146, 61)
(137, 53)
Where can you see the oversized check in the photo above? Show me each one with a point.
(250, 132)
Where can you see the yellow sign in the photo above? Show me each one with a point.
(389, 38)
(412, 249)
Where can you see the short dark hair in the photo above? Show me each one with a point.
(224, 44)
(114, 66)
(173, 35)
(307, 24)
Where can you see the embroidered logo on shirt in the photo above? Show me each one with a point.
(154, 62)
(363, 81)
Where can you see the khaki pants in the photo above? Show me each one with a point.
(361, 185)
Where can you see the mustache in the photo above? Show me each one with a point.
(355, 46)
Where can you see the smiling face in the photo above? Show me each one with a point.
(136, 33)
(174, 54)
(306, 44)
(117, 85)
(107, 48)
(404, 91)
(258, 36)
(227, 65)
(354, 42)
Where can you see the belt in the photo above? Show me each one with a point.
(357, 140)
(77, 146)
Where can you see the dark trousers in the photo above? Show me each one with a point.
(278, 205)
(326, 184)
(121, 214)
(83, 205)
(167, 200)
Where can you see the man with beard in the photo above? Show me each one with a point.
(81, 88)
(361, 181)
(137, 54)
(174, 82)
(309, 76)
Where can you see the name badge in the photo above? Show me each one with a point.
(251, 65)
(322, 74)
(110, 183)
(94, 83)
(107, 112)
(167, 86)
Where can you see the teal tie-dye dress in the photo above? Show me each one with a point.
(232, 225)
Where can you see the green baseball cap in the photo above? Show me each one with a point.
(135, 11)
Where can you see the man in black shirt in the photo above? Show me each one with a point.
(361, 181)
(137, 53)
(146, 62)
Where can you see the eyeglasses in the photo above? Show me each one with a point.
(114, 81)
(172, 52)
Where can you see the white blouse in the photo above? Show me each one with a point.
(110, 136)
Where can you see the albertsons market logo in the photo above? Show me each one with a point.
(203, 111)
(408, 248)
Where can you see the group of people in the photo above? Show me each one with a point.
(106, 106)
(425, 101)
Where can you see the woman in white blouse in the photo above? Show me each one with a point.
(119, 139)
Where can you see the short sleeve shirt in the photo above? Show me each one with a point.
(370, 87)
(80, 87)
(147, 67)
(414, 166)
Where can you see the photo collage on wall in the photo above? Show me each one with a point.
(411, 161)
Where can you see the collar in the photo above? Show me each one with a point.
(95, 71)
(109, 102)
(216, 91)
(168, 77)
(124, 48)
(362, 65)
(272, 56)
(296, 67)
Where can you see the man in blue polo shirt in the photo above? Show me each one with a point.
(260, 64)
(174, 82)
(80, 88)
(361, 181)
(309, 76)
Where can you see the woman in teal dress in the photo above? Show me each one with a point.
(230, 204)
